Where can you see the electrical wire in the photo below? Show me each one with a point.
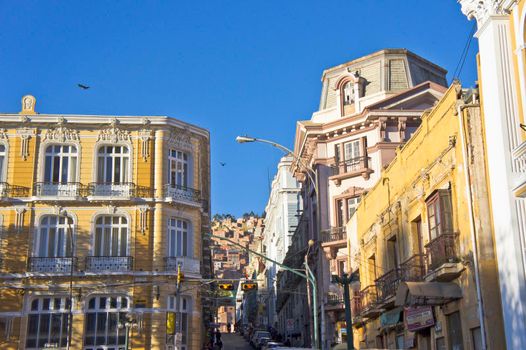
(465, 50)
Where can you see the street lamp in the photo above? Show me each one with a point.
(313, 177)
(129, 323)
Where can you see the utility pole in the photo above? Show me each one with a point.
(345, 281)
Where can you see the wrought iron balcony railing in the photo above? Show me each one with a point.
(441, 250)
(387, 284)
(333, 234)
(59, 189)
(12, 191)
(182, 193)
(334, 299)
(351, 165)
(52, 264)
(109, 263)
(413, 269)
(368, 297)
(119, 189)
(188, 265)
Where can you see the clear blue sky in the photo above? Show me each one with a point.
(233, 67)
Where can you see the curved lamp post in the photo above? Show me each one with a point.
(313, 177)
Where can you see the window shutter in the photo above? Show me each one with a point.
(446, 211)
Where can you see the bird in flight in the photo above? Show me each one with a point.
(83, 87)
(222, 164)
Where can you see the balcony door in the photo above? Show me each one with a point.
(178, 169)
(111, 236)
(53, 239)
(60, 171)
(351, 150)
(60, 164)
(3, 157)
(113, 165)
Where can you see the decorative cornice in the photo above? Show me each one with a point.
(181, 138)
(61, 133)
(113, 133)
(481, 10)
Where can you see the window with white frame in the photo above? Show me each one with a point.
(352, 204)
(47, 324)
(178, 169)
(182, 320)
(103, 316)
(178, 234)
(3, 162)
(111, 236)
(54, 236)
(60, 164)
(113, 164)
(351, 150)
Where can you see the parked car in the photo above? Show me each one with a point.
(261, 341)
(257, 335)
(272, 345)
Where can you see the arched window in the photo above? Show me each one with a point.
(54, 237)
(47, 324)
(178, 236)
(105, 320)
(179, 169)
(111, 236)
(177, 312)
(60, 164)
(348, 93)
(113, 164)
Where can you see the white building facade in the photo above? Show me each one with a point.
(502, 42)
(282, 213)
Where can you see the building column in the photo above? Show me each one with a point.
(501, 124)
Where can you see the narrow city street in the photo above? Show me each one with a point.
(234, 341)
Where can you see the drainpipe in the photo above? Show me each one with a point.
(469, 196)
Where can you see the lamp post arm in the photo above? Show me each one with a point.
(285, 267)
(287, 150)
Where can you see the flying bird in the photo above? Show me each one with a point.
(222, 164)
(83, 87)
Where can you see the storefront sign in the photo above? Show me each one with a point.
(418, 317)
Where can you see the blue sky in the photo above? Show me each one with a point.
(233, 67)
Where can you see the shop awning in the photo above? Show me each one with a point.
(391, 318)
(426, 293)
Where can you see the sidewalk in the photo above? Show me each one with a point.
(234, 341)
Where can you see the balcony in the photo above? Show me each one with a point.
(369, 302)
(333, 239)
(59, 190)
(119, 190)
(334, 301)
(188, 265)
(177, 193)
(12, 191)
(348, 168)
(52, 264)
(443, 262)
(109, 263)
(413, 269)
(387, 285)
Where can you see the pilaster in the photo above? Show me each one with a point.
(501, 126)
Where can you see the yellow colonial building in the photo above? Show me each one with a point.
(97, 214)
(422, 243)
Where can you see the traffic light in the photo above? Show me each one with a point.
(180, 275)
(249, 286)
(226, 286)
